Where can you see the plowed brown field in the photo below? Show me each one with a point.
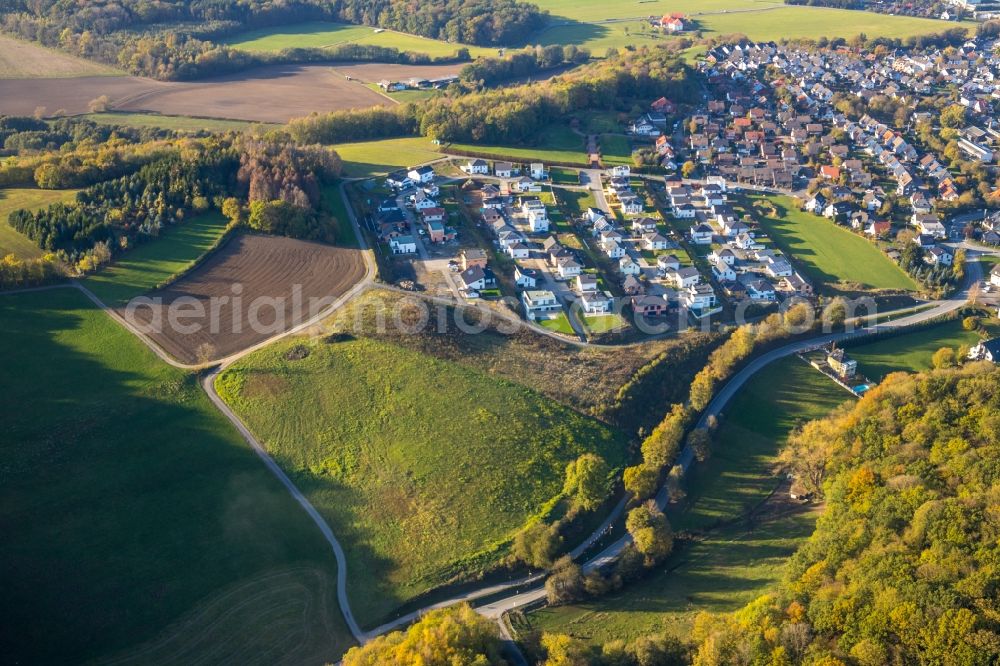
(253, 289)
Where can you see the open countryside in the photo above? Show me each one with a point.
(502, 332)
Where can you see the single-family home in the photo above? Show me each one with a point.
(655, 241)
(698, 298)
(702, 234)
(628, 267)
(421, 175)
(525, 278)
(503, 170)
(568, 267)
(403, 245)
(476, 167)
(597, 302)
(682, 278)
(539, 304)
(760, 290)
(667, 262)
(649, 306)
(473, 257)
(477, 278)
(987, 350)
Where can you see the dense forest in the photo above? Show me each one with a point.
(904, 566)
(514, 115)
(487, 71)
(175, 39)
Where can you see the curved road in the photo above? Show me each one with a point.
(528, 589)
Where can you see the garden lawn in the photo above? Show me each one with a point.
(720, 573)
(11, 199)
(424, 468)
(912, 352)
(321, 34)
(156, 260)
(130, 505)
(830, 254)
(559, 324)
(373, 158)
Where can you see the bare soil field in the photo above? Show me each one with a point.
(24, 60)
(268, 94)
(252, 289)
(20, 97)
(373, 72)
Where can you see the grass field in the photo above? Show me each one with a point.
(180, 123)
(134, 514)
(559, 324)
(326, 35)
(424, 468)
(27, 60)
(152, 262)
(11, 199)
(372, 158)
(719, 573)
(557, 143)
(740, 472)
(586, 22)
(829, 254)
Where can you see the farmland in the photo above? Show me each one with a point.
(27, 60)
(11, 199)
(156, 260)
(600, 25)
(134, 514)
(280, 282)
(271, 94)
(831, 255)
(423, 467)
(320, 34)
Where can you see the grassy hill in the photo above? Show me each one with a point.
(134, 514)
(424, 468)
(830, 254)
(320, 34)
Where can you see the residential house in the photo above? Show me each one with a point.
(655, 241)
(503, 170)
(477, 278)
(628, 267)
(473, 257)
(403, 245)
(649, 306)
(476, 167)
(525, 278)
(539, 304)
(722, 271)
(987, 350)
(682, 278)
(422, 175)
(597, 302)
(567, 267)
(702, 234)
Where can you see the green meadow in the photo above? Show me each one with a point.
(424, 468)
(138, 524)
(16, 198)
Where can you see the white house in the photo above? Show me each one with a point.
(476, 167)
(682, 278)
(939, 256)
(667, 262)
(613, 249)
(539, 304)
(537, 171)
(525, 278)
(597, 302)
(620, 171)
(518, 250)
(987, 350)
(699, 297)
(567, 268)
(702, 234)
(995, 276)
(628, 267)
(503, 170)
(403, 245)
(586, 284)
(422, 175)
(760, 290)
(631, 204)
(655, 241)
(722, 271)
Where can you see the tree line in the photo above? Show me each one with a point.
(488, 71)
(514, 115)
(271, 187)
(132, 33)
